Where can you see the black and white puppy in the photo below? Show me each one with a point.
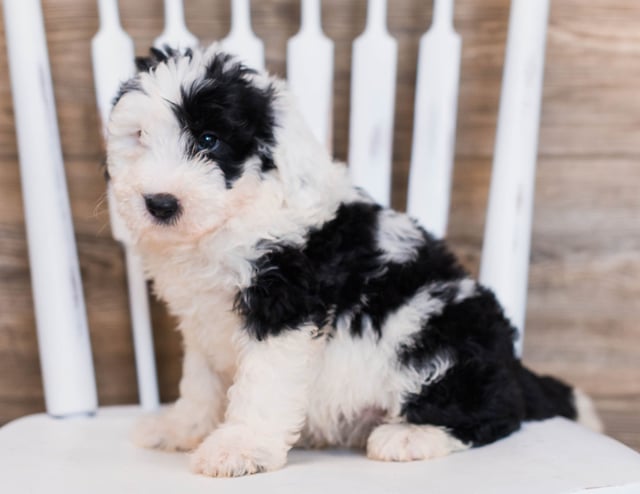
(310, 315)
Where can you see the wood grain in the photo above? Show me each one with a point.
(582, 320)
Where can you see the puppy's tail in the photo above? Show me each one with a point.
(547, 397)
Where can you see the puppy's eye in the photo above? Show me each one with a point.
(208, 141)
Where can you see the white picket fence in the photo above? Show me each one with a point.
(62, 328)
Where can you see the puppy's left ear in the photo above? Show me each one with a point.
(126, 87)
(157, 56)
(148, 64)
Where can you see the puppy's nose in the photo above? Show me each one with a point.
(162, 206)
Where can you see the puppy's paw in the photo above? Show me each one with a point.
(235, 450)
(408, 442)
(169, 431)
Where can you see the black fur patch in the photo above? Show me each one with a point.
(338, 273)
(269, 306)
(472, 328)
(545, 396)
(478, 402)
(239, 114)
(487, 393)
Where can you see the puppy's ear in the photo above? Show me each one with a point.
(158, 56)
(148, 64)
(144, 64)
(126, 87)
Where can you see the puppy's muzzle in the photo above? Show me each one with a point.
(163, 207)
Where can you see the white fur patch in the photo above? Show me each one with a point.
(409, 442)
(237, 450)
(586, 411)
(466, 289)
(398, 237)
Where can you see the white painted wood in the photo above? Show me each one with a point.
(241, 40)
(175, 34)
(310, 72)
(505, 254)
(112, 51)
(113, 54)
(96, 456)
(63, 336)
(142, 332)
(373, 87)
(434, 124)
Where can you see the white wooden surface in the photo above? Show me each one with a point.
(310, 72)
(175, 33)
(79, 456)
(241, 40)
(63, 336)
(113, 54)
(434, 123)
(373, 88)
(507, 238)
(145, 358)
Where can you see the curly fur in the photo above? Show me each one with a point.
(310, 315)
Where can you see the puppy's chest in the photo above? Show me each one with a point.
(204, 308)
(212, 326)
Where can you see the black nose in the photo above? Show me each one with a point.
(162, 206)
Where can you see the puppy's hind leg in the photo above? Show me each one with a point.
(409, 442)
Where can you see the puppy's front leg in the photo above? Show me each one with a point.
(267, 406)
(199, 409)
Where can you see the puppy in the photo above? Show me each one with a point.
(310, 315)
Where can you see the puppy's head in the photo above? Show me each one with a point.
(193, 145)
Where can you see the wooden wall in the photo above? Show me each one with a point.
(582, 321)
